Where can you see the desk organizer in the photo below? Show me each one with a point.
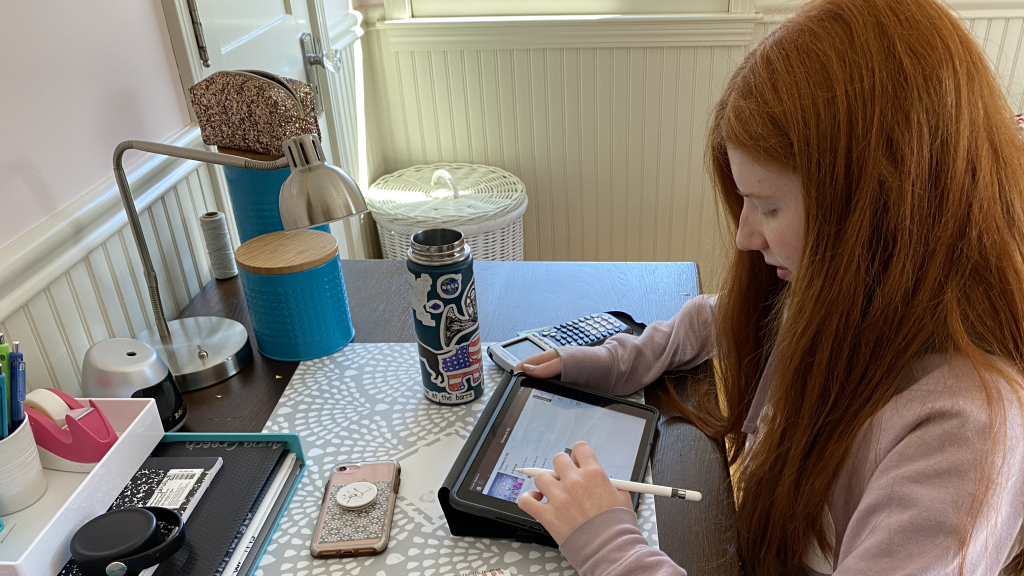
(254, 201)
(35, 541)
(296, 294)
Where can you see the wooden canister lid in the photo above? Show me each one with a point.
(286, 252)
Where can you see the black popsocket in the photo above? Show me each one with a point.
(127, 541)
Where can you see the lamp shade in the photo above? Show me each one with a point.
(315, 193)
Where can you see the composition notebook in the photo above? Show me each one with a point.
(217, 521)
(175, 483)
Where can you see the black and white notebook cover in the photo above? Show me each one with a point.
(176, 483)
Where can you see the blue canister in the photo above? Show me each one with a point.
(295, 294)
(444, 311)
(255, 195)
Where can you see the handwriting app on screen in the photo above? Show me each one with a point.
(545, 424)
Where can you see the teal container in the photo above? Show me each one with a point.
(254, 200)
(295, 293)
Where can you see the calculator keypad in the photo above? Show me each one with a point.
(589, 330)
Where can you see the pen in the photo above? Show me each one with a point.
(6, 404)
(5, 367)
(638, 487)
(17, 386)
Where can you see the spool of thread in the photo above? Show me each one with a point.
(218, 245)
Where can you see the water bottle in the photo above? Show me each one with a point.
(444, 311)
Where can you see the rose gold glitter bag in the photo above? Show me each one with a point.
(253, 110)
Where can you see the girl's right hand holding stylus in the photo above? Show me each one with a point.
(547, 364)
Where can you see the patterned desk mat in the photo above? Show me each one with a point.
(366, 403)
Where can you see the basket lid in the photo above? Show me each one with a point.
(449, 194)
(286, 252)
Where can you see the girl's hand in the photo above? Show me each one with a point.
(547, 364)
(581, 492)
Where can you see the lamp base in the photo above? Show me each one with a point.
(201, 351)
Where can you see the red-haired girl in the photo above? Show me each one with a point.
(870, 332)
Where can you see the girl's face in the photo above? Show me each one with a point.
(772, 220)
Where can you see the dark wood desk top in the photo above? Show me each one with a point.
(514, 296)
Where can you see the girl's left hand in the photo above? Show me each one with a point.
(581, 491)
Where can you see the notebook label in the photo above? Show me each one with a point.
(175, 487)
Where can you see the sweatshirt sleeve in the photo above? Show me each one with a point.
(626, 363)
(930, 447)
(610, 544)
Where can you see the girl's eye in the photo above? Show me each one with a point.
(769, 213)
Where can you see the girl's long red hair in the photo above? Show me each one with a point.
(912, 170)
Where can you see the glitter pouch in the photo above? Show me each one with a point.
(253, 110)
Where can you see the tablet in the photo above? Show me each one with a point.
(537, 419)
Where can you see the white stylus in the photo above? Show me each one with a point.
(639, 487)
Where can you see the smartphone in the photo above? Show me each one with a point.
(342, 531)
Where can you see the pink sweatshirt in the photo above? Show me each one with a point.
(903, 492)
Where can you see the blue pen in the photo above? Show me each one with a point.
(17, 387)
(5, 404)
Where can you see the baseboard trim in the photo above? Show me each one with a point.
(49, 249)
(477, 33)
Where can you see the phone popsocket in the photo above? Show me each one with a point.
(357, 495)
(70, 436)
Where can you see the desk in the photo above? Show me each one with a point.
(513, 296)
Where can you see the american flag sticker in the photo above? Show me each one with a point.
(463, 367)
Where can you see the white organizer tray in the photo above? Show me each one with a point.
(36, 540)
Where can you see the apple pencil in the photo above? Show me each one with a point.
(638, 487)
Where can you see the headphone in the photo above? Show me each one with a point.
(127, 541)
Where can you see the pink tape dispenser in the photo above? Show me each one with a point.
(70, 436)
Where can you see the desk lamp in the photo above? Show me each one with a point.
(204, 350)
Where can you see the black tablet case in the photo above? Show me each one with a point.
(465, 524)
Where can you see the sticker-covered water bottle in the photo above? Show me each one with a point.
(444, 312)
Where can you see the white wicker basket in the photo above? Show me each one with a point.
(485, 203)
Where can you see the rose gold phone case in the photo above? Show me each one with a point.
(342, 532)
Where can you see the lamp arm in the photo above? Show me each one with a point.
(133, 214)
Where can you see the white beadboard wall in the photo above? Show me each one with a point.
(603, 120)
(76, 278)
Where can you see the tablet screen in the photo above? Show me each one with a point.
(538, 424)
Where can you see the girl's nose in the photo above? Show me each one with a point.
(749, 235)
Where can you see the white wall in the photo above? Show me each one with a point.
(77, 78)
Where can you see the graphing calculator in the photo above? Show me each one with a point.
(590, 330)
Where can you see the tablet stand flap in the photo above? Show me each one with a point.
(470, 525)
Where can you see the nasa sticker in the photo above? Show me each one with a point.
(356, 495)
(449, 285)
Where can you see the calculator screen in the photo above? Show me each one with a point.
(523, 349)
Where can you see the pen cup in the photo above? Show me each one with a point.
(21, 474)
